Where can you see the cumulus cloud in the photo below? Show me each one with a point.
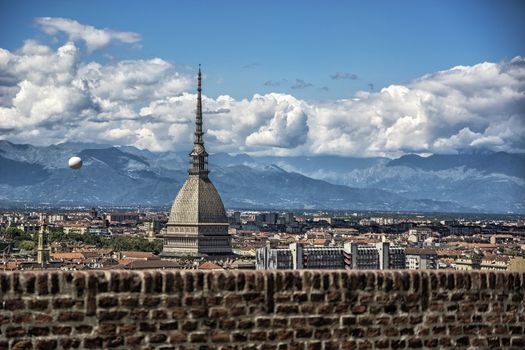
(50, 96)
(93, 37)
(344, 76)
(287, 128)
(54, 95)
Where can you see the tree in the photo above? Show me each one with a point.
(14, 234)
(121, 243)
(26, 245)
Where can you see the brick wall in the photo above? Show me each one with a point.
(262, 310)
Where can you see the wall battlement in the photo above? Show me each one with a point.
(262, 309)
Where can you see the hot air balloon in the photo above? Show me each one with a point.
(75, 163)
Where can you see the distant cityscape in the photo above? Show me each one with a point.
(90, 239)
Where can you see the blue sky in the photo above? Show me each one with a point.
(354, 78)
(243, 44)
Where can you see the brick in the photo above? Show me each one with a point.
(220, 337)
(238, 311)
(178, 337)
(364, 344)
(83, 329)
(217, 312)
(63, 303)
(61, 330)
(232, 300)
(431, 343)
(462, 341)
(127, 328)
(349, 345)
(14, 304)
(358, 309)
(227, 324)
(397, 344)
(4, 319)
(245, 324)
(133, 341)
(263, 322)
(150, 301)
(239, 336)
(284, 334)
(308, 308)
(518, 342)
(130, 302)
(93, 343)
(46, 344)
(69, 343)
(279, 322)
(373, 332)
(445, 342)
(22, 344)
(12, 332)
(159, 314)
(37, 304)
(314, 345)
(179, 313)
(303, 333)
(114, 342)
(287, 309)
(324, 333)
(157, 338)
(208, 324)
(189, 326)
(382, 344)
(112, 315)
(257, 336)
(199, 312)
(198, 337)
(66, 316)
(42, 284)
(38, 331)
(148, 327)
(415, 343)
(22, 317)
(107, 302)
(107, 329)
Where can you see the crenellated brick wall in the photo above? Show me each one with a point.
(262, 310)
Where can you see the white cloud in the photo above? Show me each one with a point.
(94, 38)
(49, 96)
(287, 128)
(52, 95)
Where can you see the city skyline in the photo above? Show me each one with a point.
(422, 78)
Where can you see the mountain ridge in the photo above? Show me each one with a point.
(127, 175)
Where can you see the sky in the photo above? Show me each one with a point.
(356, 78)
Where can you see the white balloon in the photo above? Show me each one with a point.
(75, 163)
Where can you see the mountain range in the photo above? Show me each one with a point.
(478, 182)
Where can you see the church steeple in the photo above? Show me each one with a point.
(198, 155)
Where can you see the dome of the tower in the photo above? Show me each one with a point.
(198, 202)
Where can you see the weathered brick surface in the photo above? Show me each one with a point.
(262, 310)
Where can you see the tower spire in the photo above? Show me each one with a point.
(198, 116)
(198, 155)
